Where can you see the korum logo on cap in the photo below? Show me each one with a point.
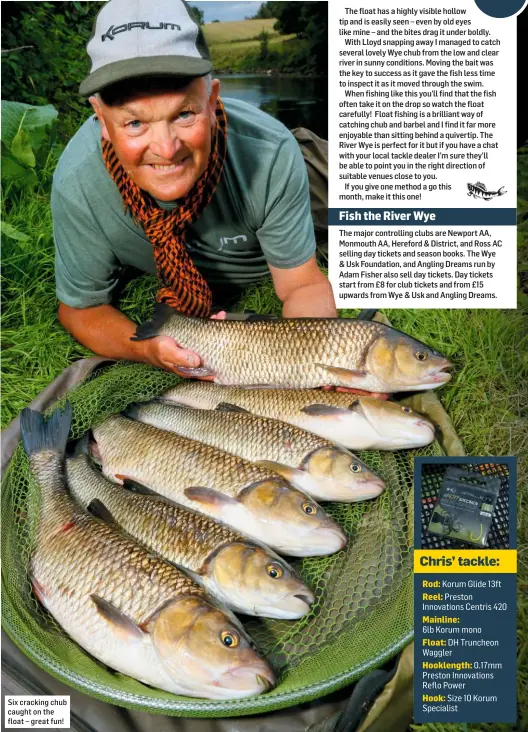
(138, 38)
(114, 30)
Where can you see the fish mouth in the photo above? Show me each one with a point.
(306, 597)
(370, 488)
(425, 423)
(328, 541)
(259, 676)
(440, 376)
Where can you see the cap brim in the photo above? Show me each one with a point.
(180, 66)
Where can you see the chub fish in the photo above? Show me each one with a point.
(478, 190)
(250, 579)
(356, 422)
(310, 463)
(127, 607)
(246, 496)
(302, 352)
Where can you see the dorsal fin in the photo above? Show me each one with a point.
(150, 329)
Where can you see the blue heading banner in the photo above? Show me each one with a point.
(421, 217)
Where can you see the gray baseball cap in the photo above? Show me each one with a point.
(134, 38)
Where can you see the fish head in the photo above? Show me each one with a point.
(396, 424)
(341, 476)
(254, 580)
(295, 524)
(400, 363)
(207, 651)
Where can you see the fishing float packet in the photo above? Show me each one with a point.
(465, 506)
(422, 153)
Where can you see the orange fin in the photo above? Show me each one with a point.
(347, 377)
(123, 626)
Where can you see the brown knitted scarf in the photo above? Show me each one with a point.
(183, 287)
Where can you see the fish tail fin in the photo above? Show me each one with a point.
(39, 435)
(150, 329)
(501, 191)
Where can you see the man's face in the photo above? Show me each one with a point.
(162, 138)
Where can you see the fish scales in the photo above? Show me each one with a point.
(130, 609)
(284, 352)
(356, 422)
(302, 352)
(179, 461)
(250, 498)
(279, 404)
(76, 556)
(310, 463)
(251, 437)
(248, 577)
(197, 535)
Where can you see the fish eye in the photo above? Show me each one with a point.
(275, 571)
(407, 410)
(309, 508)
(230, 638)
(355, 468)
(421, 355)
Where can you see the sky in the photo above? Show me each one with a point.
(223, 11)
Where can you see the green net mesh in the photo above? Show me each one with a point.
(363, 612)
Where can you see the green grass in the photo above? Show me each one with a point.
(487, 398)
(235, 47)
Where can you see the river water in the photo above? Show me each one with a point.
(295, 101)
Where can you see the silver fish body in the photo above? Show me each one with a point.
(248, 497)
(302, 352)
(310, 463)
(127, 607)
(356, 422)
(247, 577)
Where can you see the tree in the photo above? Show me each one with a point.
(197, 14)
(267, 10)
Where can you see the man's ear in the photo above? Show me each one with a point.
(98, 109)
(213, 96)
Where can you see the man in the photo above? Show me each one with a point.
(166, 178)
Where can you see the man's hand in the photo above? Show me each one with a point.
(165, 353)
(107, 332)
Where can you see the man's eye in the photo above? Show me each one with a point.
(134, 124)
(186, 116)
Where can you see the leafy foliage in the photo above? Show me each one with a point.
(28, 141)
(44, 58)
(197, 14)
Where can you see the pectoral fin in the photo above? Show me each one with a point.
(324, 410)
(135, 487)
(347, 377)
(227, 407)
(285, 471)
(209, 499)
(100, 511)
(122, 625)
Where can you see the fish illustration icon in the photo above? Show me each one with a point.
(479, 190)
